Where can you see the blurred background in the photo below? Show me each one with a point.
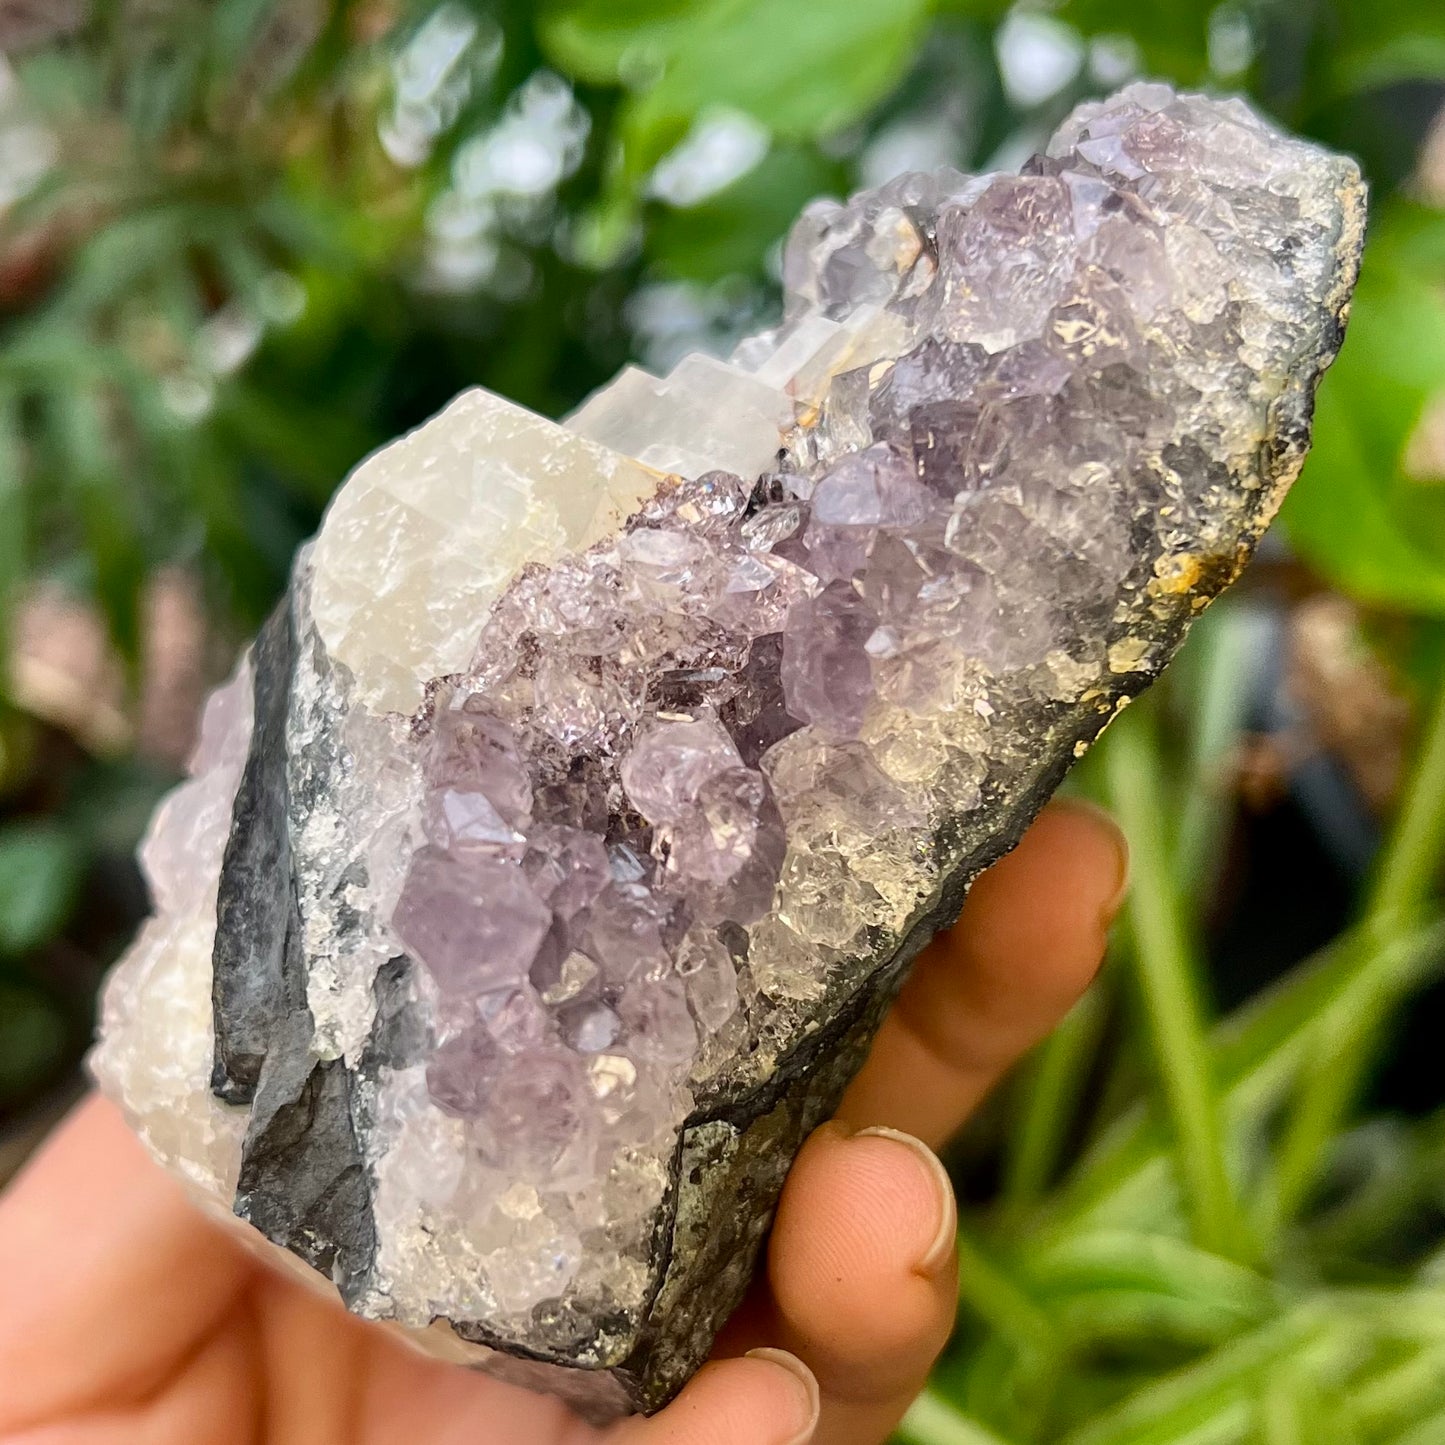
(242, 242)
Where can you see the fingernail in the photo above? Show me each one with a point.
(945, 1239)
(1105, 820)
(809, 1402)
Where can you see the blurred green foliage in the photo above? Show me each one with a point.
(262, 236)
(1379, 532)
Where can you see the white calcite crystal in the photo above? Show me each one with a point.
(558, 848)
(705, 416)
(427, 533)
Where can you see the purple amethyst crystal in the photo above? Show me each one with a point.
(474, 922)
(827, 671)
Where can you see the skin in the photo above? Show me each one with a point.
(127, 1318)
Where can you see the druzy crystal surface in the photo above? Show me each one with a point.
(554, 852)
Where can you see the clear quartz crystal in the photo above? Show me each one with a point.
(640, 739)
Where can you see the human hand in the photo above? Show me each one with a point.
(128, 1318)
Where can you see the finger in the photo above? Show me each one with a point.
(1030, 938)
(110, 1274)
(861, 1268)
(765, 1398)
(404, 1395)
(203, 1402)
(125, 1309)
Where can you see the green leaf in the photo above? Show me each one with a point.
(1383, 44)
(86, 452)
(1355, 515)
(932, 1420)
(608, 41)
(804, 71)
(235, 27)
(119, 257)
(1173, 38)
(730, 232)
(1218, 1391)
(1169, 976)
(39, 871)
(1258, 1052)
(1122, 1285)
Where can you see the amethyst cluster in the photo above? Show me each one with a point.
(564, 838)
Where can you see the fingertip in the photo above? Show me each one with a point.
(808, 1402)
(927, 1169)
(861, 1260)
(1071, 866)
(1029, 941)
(1099, 845)
(1074, 843)
(767, 1396)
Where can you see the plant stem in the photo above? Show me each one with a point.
(1408, 866)
(1168, 976)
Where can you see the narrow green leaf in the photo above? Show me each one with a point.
(1293, 1411)
(1050, 1085)
(1347, 1041)
(1398, 1396)
(114, 260)
(235, 26)
(1409, 867)
(1168, 978)
(1258, 1054)
(1429, 1431)
(987, 1288)
(84, 449)
(1115, 1259)
(1215, 1400)
(1226, 647)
